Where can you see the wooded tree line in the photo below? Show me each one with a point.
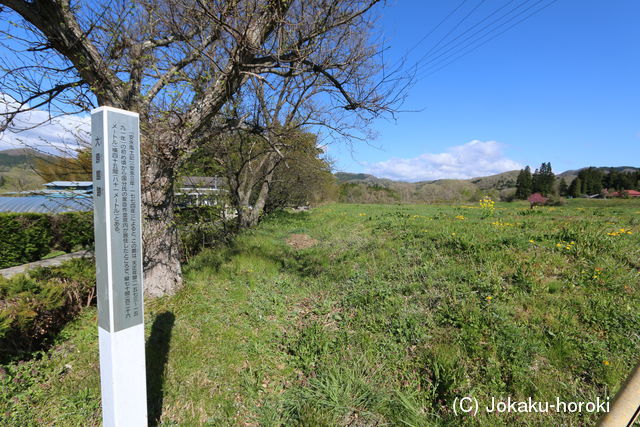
(541, 181)
(258, 179)
(589, 181)
(593, 181)
(197, 72)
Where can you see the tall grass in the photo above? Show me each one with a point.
(395, 312)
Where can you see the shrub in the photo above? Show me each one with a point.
(27, 237)
(555, 201)
(199, 227)
(34, 307)
(24, 238)
(72, 230)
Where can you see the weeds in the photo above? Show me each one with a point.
(385, 320)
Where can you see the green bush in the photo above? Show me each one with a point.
(555, 201)
(27, 237)
(200, 227)
(72, 230)
(24, 238)
(35, 306)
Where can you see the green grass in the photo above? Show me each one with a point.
(395, 312)
(53, 254)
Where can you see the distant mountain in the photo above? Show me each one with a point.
(366, 188)
(570, 175)
(498, 181)
(346, 176)
(16, 170)
(18, 157)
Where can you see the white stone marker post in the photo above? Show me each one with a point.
(115, 139)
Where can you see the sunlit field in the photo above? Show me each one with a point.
(376, 315)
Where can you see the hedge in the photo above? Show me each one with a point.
(72, 230)
(27, 237)
(36, 306)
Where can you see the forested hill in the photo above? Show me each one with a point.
(14, 157)
(17, 169)
(365, 188)
(572, 174)
(19, 157)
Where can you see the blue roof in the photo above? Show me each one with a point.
(69, 184)
(44, 204)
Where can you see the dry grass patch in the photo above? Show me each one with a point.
(301, 241)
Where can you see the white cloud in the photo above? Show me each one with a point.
(36, 130)
(475, 158)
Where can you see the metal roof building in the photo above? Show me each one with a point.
(69, 184)
(45, 204)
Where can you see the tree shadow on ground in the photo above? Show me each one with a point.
(157, 354)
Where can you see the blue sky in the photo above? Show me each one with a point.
(562, 86)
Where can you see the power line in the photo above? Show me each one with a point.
(476, 24)
(452, 30)
(496, 35)
(436, 27)
(493, 30)
(491, 27)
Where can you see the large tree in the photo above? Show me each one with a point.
(543, 180)
(575, 188)
(303, 178)
(524, 184)
(271, 121)
(178, 63)
(591, 179)
(563, 187)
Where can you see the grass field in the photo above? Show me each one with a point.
(375, 315)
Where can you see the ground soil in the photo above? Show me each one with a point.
(301, 241)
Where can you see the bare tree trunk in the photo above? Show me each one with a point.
(248, 217)
(163, 273)
(243, 208)
(258, 207)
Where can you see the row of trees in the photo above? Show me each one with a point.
(541, 181)
(589, 181)
(260, 178)
(196, 72)
(594, 180)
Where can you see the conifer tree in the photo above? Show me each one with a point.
(543, 180)
(575, 189)
(563, 188)
(524, 184)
